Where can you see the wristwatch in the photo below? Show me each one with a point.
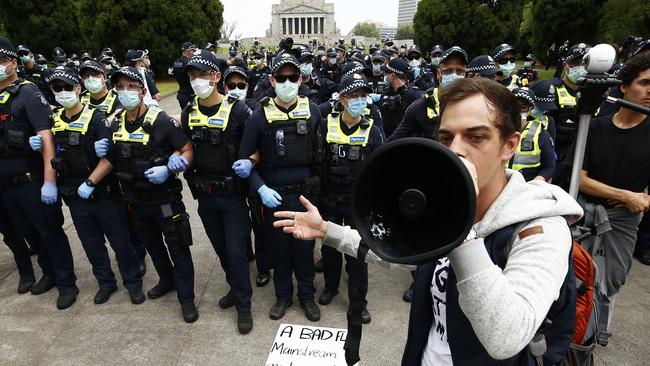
(90, 183)
(253, 161)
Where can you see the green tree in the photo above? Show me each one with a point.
(404, 31)
(525, 29)
(42, 25)
(624, 18)
(160, 26)
(366, 29)
(477, 26)
(558, 20)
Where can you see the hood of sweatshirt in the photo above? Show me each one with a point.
(522, 201)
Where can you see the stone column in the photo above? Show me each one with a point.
(290, 21)
(322, 25)
(309, 30)
(296, 25)
(284, 26)
(315, 27)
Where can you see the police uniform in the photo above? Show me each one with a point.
(100, 215)
(288, 142)
(37, 74)
(513, 81)
(107, 104)
(24, 112)
(545, 99)
(329, 71)
(394, 103)
(345, 149)
(216, 133)
(185, 92)
(255, 74)
(421, 119)
(157, 209)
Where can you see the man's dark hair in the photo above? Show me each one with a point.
(634, 67)
(499, 98)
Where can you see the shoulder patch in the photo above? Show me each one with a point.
(107, 123)
(41, 98)
(531, 231)
(174, 122)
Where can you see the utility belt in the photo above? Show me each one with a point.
(228, 185)
(131, 194)
(311, 186)
(8, 182)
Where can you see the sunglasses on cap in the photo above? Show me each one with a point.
(61, 87)
(282, 78)
(240, 85)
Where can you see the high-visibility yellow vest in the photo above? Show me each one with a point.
(273, 113)
(514, 82)
(431, 112)
(5, 95)
(528, 153)
(79, 125)
(565, 99)
(219, 120)
(105, 106)
(335, 135)
(140, 135)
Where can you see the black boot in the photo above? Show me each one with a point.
(190, 312)
(67, 297)
(45, 284)
(279, 309)
(104, 294)
(25, 283)
(312, 312)
(244, 322)
(159, 290)
(227, 301)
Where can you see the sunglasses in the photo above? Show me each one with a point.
(61, 87)
(505, 60)
(232, 86)
(282, 78)
(452, 70)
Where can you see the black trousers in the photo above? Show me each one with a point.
(173, 262)
(227, 223)
(263, 257)
(333, 259)
(290, 256)
(18, 245)
(102, 217)
(27, 212)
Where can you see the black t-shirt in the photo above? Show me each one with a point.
(618, 157)
(166, 135)
(393, 112)
(254, 133)
(416, 122)
(29, 105)
(98, 128)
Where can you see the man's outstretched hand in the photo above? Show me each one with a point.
(303, 225)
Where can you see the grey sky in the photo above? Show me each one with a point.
(254, 16)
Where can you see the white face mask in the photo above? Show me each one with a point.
(202, 87)
(239, 94)
(67, 99)
(3, 72)
(286, 91)
(93, 84)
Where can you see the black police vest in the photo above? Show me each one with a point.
(288, 138)
(465, 347)
(137, 152)
(75, 158)
(14, 133)
(216, 146)
(346, 153)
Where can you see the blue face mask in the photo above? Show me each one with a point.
(576, 72)
(537, 112)
(286, 91)
(528, 65)
(376, 69)
(25, 59)
(448, 79)
(507, 69)
(130, 99)
(306, 69)
(357, 106)
(436, 61)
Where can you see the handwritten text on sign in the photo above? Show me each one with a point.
(298, 345)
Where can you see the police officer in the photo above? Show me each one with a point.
(147, 148)
(528, 74)
(422, 118)
(137, 59)
(419, 75)
(215, 124)
(32, 71)
(88, 188)
(482, 66)
(397, 96)
(184, 89)
(332, 68)
(376, 76)
(260, 71)
(566, 115)
(59, 56)
(436, 56)
(27, 180)
(349, 138)
(285, 130)
(504, 56)
(534, 157)
(97, 94)
(545, 102)
(320, 89)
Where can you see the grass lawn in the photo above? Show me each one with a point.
(167, 87)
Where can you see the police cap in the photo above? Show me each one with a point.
(285, 59)
(134, 55)
(234, 70)
(525, 94)
(203, 60)
(6, 48)
(414, 51)
(577, 51)
(188, 46)
(484, 65)
(457, 51)
(352, 83)
(128, 71)
(332, 53)
(501, 50)
(643, 46)
(544, 94)
(306, 56)
(395, 66)
(91, 65)
(66, 74)
(352, 68)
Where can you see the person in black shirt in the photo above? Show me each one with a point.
(88, 188)
(349, 138)
(184, 89)
(148, 147)
(215, 123)
(285, 131)
(33, 72)
(398, 95)
(615, 174)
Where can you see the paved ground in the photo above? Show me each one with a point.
(34, 332)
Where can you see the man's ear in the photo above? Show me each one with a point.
(217, 77)
(272, 80)
(510, 145)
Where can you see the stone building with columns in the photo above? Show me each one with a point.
(303, 20)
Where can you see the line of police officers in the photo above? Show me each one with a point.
(248, 143)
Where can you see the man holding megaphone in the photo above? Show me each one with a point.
(507, 291)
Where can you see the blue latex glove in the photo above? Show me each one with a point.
(242, 168)
(270, 198)
(101, 147)
(36, 142)
(177, 163)
(49, 193)
(157, 174)
(375, 97)
(85, 190)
